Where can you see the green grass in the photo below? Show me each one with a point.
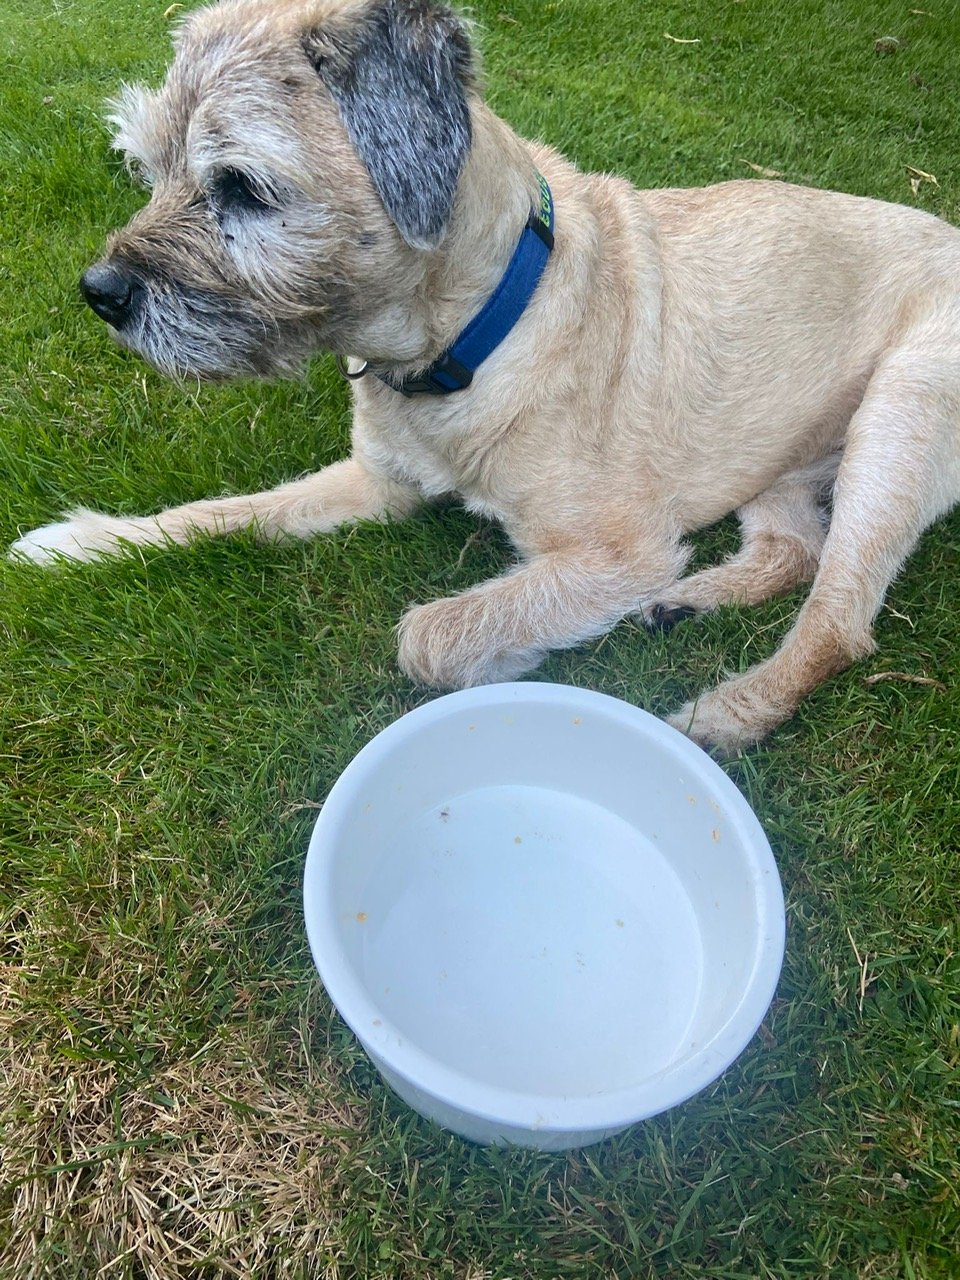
(179, 1098)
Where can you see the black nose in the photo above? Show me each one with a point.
(109, 291)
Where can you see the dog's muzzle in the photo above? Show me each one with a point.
(110, 291)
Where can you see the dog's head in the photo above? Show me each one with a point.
(302, 157)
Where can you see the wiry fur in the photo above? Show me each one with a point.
(687, 353)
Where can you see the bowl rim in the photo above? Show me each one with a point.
(495, 1104)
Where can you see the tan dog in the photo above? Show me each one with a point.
(326, 176)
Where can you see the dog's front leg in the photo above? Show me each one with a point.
(318, 503)
(503, 627)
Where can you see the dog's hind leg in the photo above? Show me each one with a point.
(900, 470)
(782, 532)
(318, 503)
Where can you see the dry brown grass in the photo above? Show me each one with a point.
(213, 1164)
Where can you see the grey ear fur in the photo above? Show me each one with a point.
(399, 82)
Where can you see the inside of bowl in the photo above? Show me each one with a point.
(546, 902)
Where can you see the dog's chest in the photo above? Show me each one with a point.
(438, 456)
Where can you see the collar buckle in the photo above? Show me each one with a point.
(444, 376)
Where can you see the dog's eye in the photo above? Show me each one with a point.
(234, 191)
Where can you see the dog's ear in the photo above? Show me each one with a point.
(399, 80)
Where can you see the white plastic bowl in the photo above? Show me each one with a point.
(544, 913)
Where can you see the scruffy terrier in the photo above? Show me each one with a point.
(601, 369)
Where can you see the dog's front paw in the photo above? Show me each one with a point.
(84, 535)
(446, 645)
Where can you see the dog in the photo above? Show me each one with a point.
(326, 176)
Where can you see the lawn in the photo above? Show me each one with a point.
(178, 1097)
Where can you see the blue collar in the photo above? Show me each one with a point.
(454, 370)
